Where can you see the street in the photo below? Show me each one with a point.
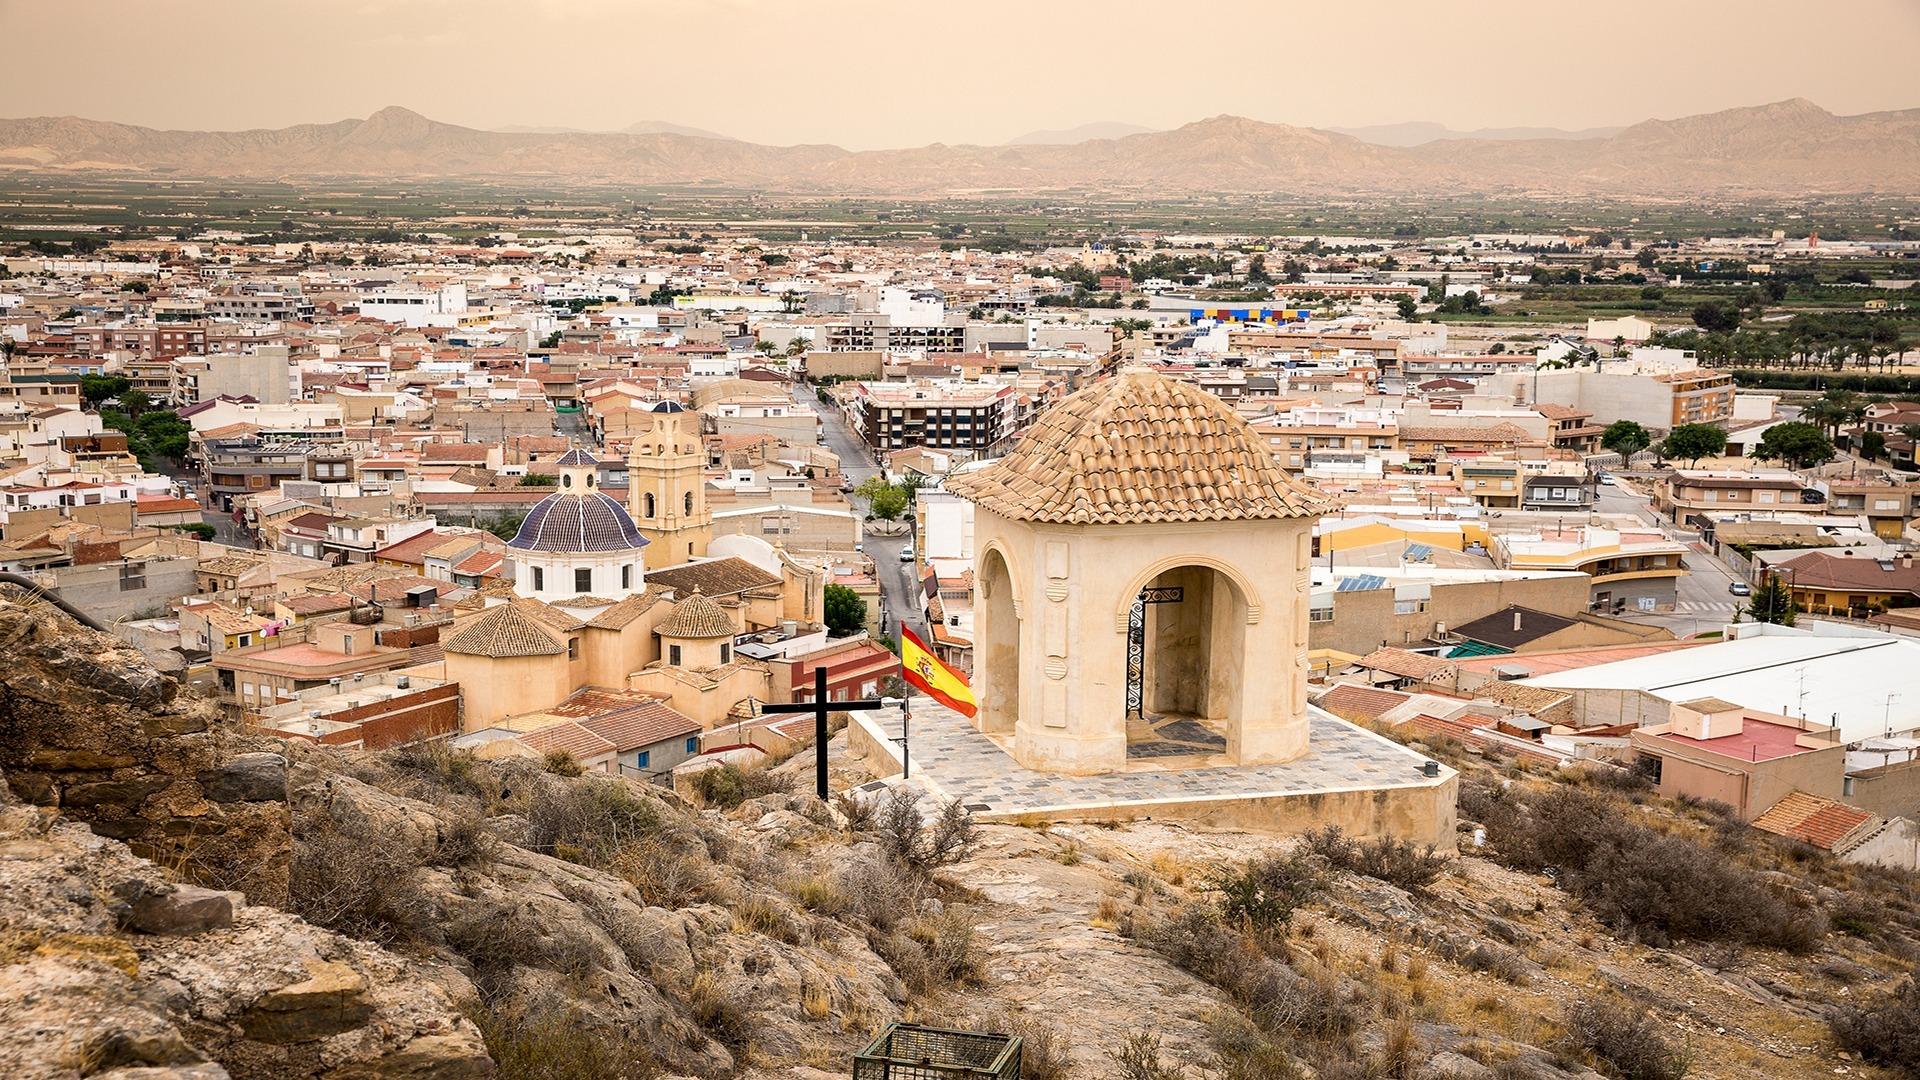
(1703, 601)
(899, 588)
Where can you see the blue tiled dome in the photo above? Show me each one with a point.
(571, 522)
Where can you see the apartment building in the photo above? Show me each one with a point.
(1492, 482)
(944, 414)
(1659, 400)
(1626, 568)
(1887, 504)
(1684, 493)
(1563, 486)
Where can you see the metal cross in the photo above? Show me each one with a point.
(820, 707)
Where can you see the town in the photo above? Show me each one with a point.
(461, 627)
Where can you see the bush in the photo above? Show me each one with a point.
(1499, 961)
(1262, 895)
(1886, 1032)
(588, 821)
(1397, 862)
(560, 763)
(667, 871)
(1640, 881)
(348, 876)
(1139, 1059)
(446, 769)
(559, 1047)
(1625, 1040)
(728, 785)
(1278, 998)
(920, 846)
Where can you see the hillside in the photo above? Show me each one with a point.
(428, 905)
(1791, 147)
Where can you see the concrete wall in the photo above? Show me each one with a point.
(100, 589)
(1891, 790)
(1363, 621)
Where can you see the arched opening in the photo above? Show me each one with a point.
(687, 500)
(1186, 662)
(996, 660)
(648, 505)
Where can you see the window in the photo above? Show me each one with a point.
(726, 653)
(642, 759)
(648, 512)
(243, 640)
(687, 501)
(539, 579)
(693, 744)
(1409, 607)
(1320, 614)
(673, 655)
(626, 576)
(583, 579)
(573, 648)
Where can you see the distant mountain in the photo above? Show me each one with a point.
(1098, 129)
(1786, 148)
(662, 127)
(1426, 131)
(639, 127)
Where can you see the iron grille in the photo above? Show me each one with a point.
(912, 1052)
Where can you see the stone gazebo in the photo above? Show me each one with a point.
(1142, 566)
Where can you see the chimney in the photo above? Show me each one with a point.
(1516, 620)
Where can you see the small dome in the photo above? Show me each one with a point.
(667, 407)
(576, 457)
(1137, 448)
(578, 522)
(697, 617)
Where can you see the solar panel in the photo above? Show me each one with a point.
(1418, 553)
(1361, 583)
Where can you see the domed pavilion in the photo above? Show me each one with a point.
(578, 541)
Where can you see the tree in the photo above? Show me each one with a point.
(1695, 441)
(1409, 310)
(99, 388)
(135, 402)
(846, 612)
(505, 526)
(1626, 438)
(539, 480)
(1716, 318)
(1796, 443)
(884, 500)
(1872, 445)
(1773, 602)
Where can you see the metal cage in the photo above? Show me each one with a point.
(912, 1052)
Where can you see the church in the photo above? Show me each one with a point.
(594, 606)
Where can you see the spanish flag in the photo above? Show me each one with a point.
(924, 670)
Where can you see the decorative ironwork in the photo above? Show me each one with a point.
(912, 1052)
(1137, 641)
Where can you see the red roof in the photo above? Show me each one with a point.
(1757, 740)
(1819, 821)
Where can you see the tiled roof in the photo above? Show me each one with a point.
(1819, 821)
(568, 737)
(1497, 433)
(504, 630)
(697, 617)
(627, 610)
(548, 614)
(1139, 447)
(627, 719)
(1352, 701)
(1819, 570)
(1406, 664)
(577, 523)
(715, 577)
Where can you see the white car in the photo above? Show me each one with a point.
(1606, 478)
(906, 554)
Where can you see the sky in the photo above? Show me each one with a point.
(888, 73)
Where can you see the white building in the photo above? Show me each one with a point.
(578, 541)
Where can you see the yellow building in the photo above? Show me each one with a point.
(667, 487)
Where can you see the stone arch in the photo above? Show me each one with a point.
(647, 502)
(997, 641)
(1249, 595)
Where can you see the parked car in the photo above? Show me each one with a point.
(1739, 588)
(906, 554)
(1606, 478)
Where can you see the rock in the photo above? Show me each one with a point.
(1505, 931)
(149, 908)
(205, 1070)
(129, 793)
(255, 777)
(1447, 1065)
(328, 1002)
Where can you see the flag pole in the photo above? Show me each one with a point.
(906, 714)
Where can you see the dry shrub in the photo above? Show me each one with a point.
(728, 785)
(916, 844)
(1261, 895)
(349, 874)
(1277, 998)
(560, 763)
(1625, 1040)
(879, 892)
(858, 812)
(1138, 1058)
(461, 837)
(1499, 961)
(559, 1047)
(438, 765)
(1241, 1051)
(1397, 862)
(587, 820)
(1884, 1032)
(766, 916)
(819, 895)
(1638, 880)
(667, 871)
(717, 1014)
(948, 940)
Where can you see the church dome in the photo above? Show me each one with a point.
(696, 617)
(667, 407)
(578, 522)
(1139, 447)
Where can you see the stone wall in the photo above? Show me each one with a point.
(88, 726)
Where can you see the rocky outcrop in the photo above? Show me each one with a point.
(87, 726)
(107, 969)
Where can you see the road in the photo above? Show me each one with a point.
(1703, 600)
(900, 595)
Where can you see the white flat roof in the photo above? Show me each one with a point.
(1863, 685)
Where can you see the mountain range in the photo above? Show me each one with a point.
(1425, 131)
(1785, 148)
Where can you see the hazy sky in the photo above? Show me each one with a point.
(869, 73)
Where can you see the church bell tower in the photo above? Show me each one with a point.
(666, 487)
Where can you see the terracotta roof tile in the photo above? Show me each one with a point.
(715, 577)
(1819, 821)
(504, 630)
(1139, 447)
(697, 617)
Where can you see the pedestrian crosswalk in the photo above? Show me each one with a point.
(1711, 607)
